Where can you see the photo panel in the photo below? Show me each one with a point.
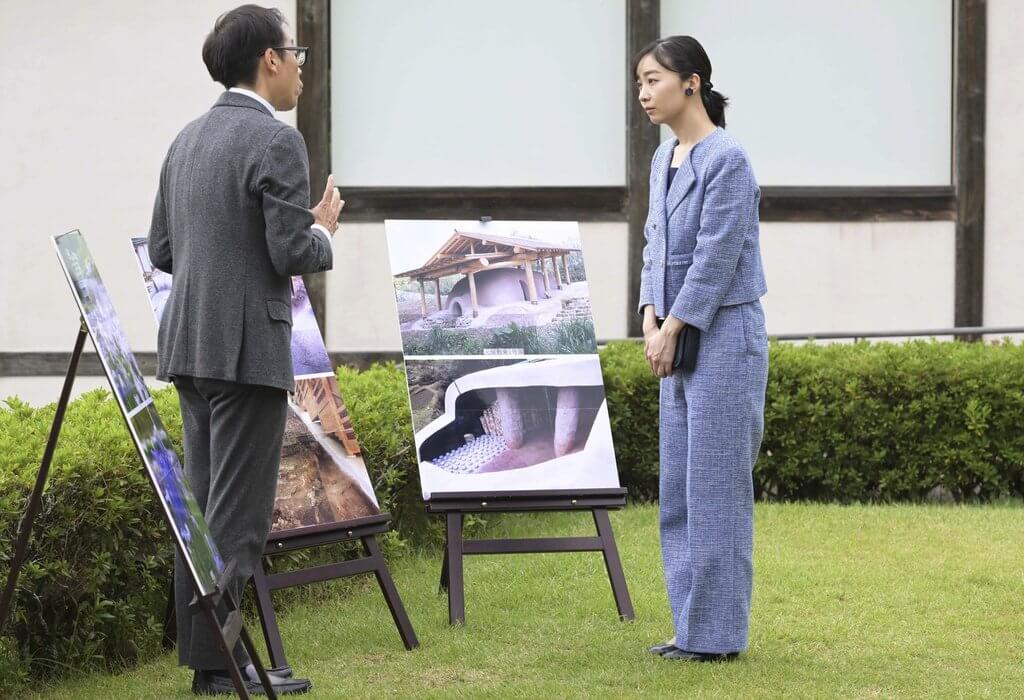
(494, 288)
(323, 477)
(167, 475)
(188, 527)
(511, 424)
(309, 354)
(98, 312)
(158, 282)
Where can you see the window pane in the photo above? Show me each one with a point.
(845, 92)
(478, 92)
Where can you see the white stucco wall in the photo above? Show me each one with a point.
(94, 98)
(1004, 165)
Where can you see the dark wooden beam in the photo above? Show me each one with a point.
(858, 204)
(313, 29)
(47, 364)
(643, 25)
(55, 364)
(364, 204)
(969, 160)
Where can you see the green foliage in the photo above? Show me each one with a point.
(863, 422)
(378, 403)
(575, 337)
(515, 336)
(96, 576)
(632, 392)
(13, 669)
(439, 341)
(576, 271)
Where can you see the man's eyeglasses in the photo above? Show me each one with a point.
(299, 51)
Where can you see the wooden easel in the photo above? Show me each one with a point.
(454, 507)
(228, 634)
(363, 529)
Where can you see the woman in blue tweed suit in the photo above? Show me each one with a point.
(702, 267)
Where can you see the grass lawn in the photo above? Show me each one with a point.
(848, 601)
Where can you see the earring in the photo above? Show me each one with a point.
(689, 92)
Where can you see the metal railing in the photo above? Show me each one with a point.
(962, 331)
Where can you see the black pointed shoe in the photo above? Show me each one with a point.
(219, 683)
(683, 655)
(659, 649)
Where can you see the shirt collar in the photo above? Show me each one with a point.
(253, 95)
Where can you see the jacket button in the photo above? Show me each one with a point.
(654, 226)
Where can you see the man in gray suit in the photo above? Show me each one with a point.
(232, 224)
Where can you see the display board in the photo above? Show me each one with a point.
(501, 359)
(323, 478)
(187, 524)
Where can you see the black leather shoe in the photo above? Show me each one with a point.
(660, 649)
(683, 655)
(281, 685)
(249, 671)
(219, 683)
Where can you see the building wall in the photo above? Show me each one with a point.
(95, 96)
(1004, 166)
(100, 94)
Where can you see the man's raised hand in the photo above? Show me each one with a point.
(327, 210)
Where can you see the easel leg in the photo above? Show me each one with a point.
(228, 636)
(170, 633)
(613, 564)
(443, 585)
(25, 531)
(268, 618)
(254, 656)
(387, 587)
(229, 658)
(453, 564)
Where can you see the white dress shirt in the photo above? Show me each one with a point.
(273, 113)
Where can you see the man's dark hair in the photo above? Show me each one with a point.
(239, 38)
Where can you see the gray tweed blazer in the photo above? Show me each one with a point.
(232, 223)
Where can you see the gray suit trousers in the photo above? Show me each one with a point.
(232, 435)
(711, 426)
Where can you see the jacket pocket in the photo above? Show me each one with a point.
(674, 260)
(279, 311)
(754, 330)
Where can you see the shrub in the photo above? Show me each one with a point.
(632, 392)
(97, 572)
(863, 422)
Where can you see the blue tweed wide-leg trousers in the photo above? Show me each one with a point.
(711, 427)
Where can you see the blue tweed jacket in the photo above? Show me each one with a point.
(703, 249)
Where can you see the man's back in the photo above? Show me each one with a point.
(233, 207)
(232, 223)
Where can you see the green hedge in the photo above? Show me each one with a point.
(862, 422)
(92, 587)
(843, 423)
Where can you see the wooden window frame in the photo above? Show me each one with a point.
(962, 202)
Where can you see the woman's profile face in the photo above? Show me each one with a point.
(660, 90)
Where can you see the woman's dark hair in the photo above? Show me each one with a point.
(233, 49)
(684, 55)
